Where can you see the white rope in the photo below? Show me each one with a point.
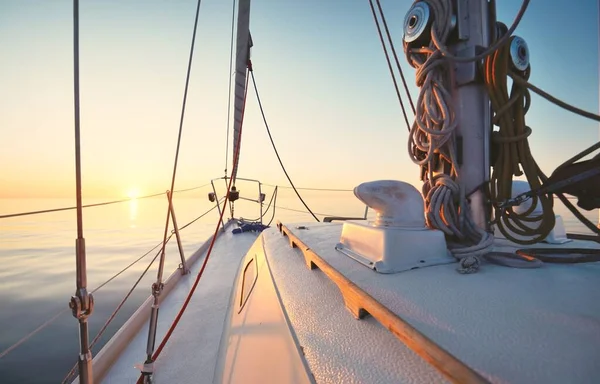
(433, 132)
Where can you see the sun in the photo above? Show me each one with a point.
(133, 193)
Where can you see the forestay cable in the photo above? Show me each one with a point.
(262, 112)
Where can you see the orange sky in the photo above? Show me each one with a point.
(326, 91)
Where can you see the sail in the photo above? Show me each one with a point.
(243, 44)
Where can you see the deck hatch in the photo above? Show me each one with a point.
(249, 277)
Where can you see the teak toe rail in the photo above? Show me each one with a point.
(361, 304)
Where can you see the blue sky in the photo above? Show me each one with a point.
(320, 70)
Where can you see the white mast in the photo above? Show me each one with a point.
(473, 109)
(243, 44)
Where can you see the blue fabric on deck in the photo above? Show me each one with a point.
(250, 227)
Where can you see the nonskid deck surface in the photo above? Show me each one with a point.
(510, 325)
(191, 353)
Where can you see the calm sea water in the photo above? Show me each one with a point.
(37, 273)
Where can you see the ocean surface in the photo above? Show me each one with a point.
(37, 273)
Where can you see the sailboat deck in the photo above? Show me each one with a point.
(510, 325)
(191, 353)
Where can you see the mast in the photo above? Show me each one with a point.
(599, 83)
(472, 106)
(451, 134)
(243, 44)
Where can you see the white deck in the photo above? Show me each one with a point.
(190, 355)
(511, 325)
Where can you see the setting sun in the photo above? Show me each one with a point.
(133, 193)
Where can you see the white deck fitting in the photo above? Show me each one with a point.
(190, 355)
(511, 325)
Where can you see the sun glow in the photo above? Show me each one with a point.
(133, 193)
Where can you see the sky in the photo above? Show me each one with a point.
(320, 70)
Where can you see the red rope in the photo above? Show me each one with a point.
(210, 248)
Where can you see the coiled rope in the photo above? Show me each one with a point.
(432, 133)
(514, 155)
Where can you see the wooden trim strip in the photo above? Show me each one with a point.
(361, 304)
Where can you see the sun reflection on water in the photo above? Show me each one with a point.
(133, 212)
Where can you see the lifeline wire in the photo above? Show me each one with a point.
(96, 204)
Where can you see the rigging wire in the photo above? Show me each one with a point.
(275, 148)
(117, 309)
(229, 93)
(95, 205)
(585, 221)
(311, 189)
(157, 285)
(391, 42)
(387, 58)
(48, 322)
(184, 103)
(273, 196)
(32, 333)
(208, 253)
(274, 208)
(524, 83)
(51, 320)
(303, 211)
(82, 302)
(199, 217)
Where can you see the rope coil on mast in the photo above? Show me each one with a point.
(514, 156)
(432, 142)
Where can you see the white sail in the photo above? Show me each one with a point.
(243, 44)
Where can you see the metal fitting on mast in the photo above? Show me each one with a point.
(417, 24)
(519, 54)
